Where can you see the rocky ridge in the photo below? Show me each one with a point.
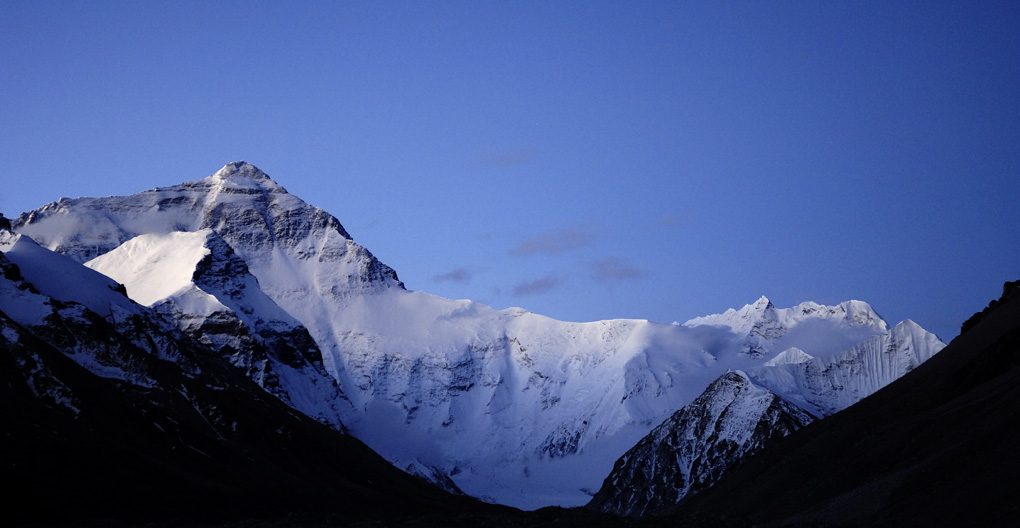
(688, 452)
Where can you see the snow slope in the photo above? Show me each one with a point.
(511, 406)
(827, 385)
(63, 279)
(154, 267)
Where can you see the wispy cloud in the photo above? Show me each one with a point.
(538, 286)
(508, 158)
(553, 243)
(613, 269)
(461, 275)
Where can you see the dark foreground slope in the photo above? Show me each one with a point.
(936, 448)
(138, 457)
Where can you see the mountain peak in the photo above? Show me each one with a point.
(761, 309)
(908, 324)
(790, 356)
(243, 175)
(733, 418)
(241, 168)
(861, 313)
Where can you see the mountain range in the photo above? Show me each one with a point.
(227, 312)
(934, 448)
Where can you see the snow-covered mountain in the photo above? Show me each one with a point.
(826, 385)
(740, 413)
(823, 329)
(693, 448)
(73, 292)
(936, 447)
(110, 412)
(504, 404)
(196, 280)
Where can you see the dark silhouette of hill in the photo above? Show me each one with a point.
(938, 447)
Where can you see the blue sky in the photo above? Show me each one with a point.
(584, 160)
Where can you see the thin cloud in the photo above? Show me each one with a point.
(553, 243)
(667, 221)
(461, 275)
(614, 269)
(537, 286)
(508, 158)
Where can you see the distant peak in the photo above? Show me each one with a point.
(736, 375)
(244, 175)
(241, 169)
(760, 307)
(790, 356)
(909, 325)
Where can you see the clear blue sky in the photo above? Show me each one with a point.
(584, 160)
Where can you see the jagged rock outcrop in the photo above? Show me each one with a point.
(731, 420)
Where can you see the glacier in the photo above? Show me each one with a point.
(506, 405)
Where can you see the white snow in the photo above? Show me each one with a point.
(24, 307)
(816, 329)
(58, 277)
(155, 266)
(830, 384)
(790, 356)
